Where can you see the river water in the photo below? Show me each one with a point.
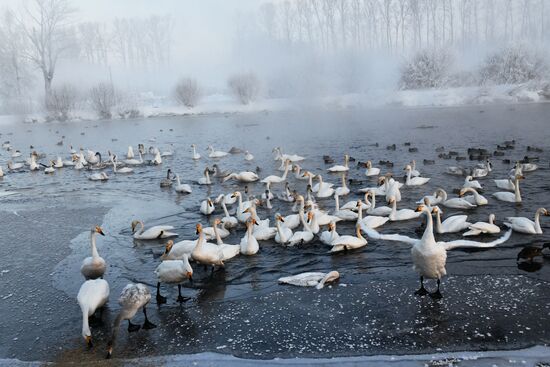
(490, 301)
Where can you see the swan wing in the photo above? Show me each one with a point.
(475, 244)
(371, 233)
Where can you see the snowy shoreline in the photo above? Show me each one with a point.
(534, 356)
(154, 107)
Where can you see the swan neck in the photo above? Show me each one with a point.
(225, 212)
(358, 232)
(429, 231)
(337, 199)
(516, 191)
(95, 254)
(438, 221)
(537, 221)
(217, 234)
(360, 213)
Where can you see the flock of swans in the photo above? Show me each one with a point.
(302, 225)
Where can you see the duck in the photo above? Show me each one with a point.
(205, 180)
(132, 298)
(348, 242)
(475, 199)
(283, 233)
(344, 189)
(402, 214)
(207, 206)
(229, 251)
(328, 236)
(483, 227)
(195, 156)
(100, 176)
(371, 171)
(248, 156)
(452, 224)
(340, 168)
(153, 233)
(92, 295)
(94, 266)
(414, 181)
(206, 253)
(305, 236)
(469, 182)
(173, 272)
(526, 225)
(310, 279)
(454, 203)
(244, 176)
(216, 153)
(210, 232)
(278, 179)
(182, 188)
(123, 170)
(510, 197)
(167, 181)
(343, 214)
(249, 244)
(430, 256)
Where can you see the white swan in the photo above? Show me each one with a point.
(182, 188)
(248, 156)
(283, 233)
(93, 295)
(229, 251)
(210, 232)
(292, 221)
(177, 251)
(207, 206)
(324, 191)
(526, 225)
(475, 199)
(244, 176)
(392, 189)
(328, 236)
(297, 173)
(132, 298)
(205, 180)
(242, 216)
(344, 189)
(228, 221)
(483, 227)
(321, 185)
(133, 161)
(278, 179)
(206, 253)
(371, 171)
(346, 215)
(349, 242)
(123, 170)
(454, 203)
(291, 157)
(510, 197)
(100, 176)
(249, 244)
(371, 221)
(14, 166)
(414, 181)
(452, 224)
(340, 168)
(505, 184)
(310, 279)
(130, 153)
(402, 214)
(152, 233)
(429, 256)
(94, 266)
(216, 153)
(372, 209)
(173, 272)
(469, 182)
(195, 156)
(436, 198)
(305, 236)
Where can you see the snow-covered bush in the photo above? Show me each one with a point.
(514, 64)
(127, 106)
(427, 69)
(188, 92)
(103, 98)
(246, 87)
(62, 102)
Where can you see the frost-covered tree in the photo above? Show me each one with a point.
(62, 102)
(188, 92)
(427, 69)
(246, 87)
(103, 99)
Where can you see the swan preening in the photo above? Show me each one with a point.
(311, 279)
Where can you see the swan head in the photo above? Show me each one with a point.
(217, 221)
(279, 217)
(421, 208)
(391, 200)
(198, 228)
(331, 226)
(310, 216)
(436, 210)
(368, 164)
(359, 203)
(407, 168)
(88, 339)
(134, 225)
(235, 194)
(167, 248)
(98, 230)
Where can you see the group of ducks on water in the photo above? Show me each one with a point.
(428, 255)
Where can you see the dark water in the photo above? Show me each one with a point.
(490, 301)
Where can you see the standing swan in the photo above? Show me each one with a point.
(93, 294)
(132, 298)
(94, 266)
(173, 271)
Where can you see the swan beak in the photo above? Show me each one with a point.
(419, 208)
(547, 213)
(199, 228)
(109, 353)
(247, 210)
(89, 341)
(255, 222)
(189, 275)
(282, 219)
(100, 231)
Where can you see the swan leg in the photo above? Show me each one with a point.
(181, 299)
(160, 299)
(133, 327)
(421, 291)
(437, 294)
(147, 324)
